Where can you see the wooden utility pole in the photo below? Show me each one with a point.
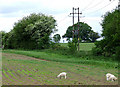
(78, 29)
(73, 22)
(78, 23)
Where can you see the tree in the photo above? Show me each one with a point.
(85, 32)
(9, 40)
(111, 33)
(32, 32)
(2, 34)
(93, 36)
(56, 38)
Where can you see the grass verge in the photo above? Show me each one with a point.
(63, 58)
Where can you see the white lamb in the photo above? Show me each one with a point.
(63, 74)
(110, 77)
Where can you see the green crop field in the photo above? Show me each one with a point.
(41, 68)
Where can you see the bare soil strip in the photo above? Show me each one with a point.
(17, 56)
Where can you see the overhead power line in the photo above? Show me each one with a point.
(100, 8)
(63, 19)
(87, 6)
(101, 1)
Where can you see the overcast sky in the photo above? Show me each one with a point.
(13, 10)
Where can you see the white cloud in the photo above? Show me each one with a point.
(7, 23)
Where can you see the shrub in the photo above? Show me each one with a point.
(117, 56)
(111, 35)
(72, 46)
(52, 45)
(97, 51)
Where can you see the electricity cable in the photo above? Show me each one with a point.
(100, 8)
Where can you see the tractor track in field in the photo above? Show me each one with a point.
(28, 75)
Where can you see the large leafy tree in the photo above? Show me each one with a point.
(85, 32)
(32, 32)
(111, 32)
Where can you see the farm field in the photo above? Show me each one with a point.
(83, 46)
(18, 69)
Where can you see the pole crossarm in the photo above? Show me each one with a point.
(75, 13)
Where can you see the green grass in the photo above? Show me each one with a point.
(64, 44)
(62, 58)
(82, 46)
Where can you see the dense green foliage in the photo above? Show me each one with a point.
(2, 34)
(72, 45)
(110, 44)
(31, 32)
(56, 38)
(86, 33)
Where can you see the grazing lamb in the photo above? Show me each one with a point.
(110, 77)
(63, 74)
